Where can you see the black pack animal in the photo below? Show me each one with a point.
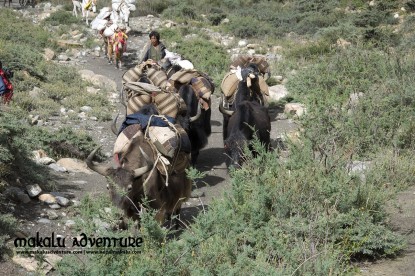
(249, 119)
(248, 90)
(196, 121)
(245, 117)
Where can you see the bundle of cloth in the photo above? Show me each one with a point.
(176, 59)
(103, 20)
(122, 9)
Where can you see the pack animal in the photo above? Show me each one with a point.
(85, 6)
(5, 1)
(248, 90)
(76, 6)
(249, 119)
(117, 45)
(136, 177)
(122, 11)
(245, 118)
(196, 121)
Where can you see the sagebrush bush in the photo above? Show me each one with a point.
(206, 56)
(60, 17)
(279, 218)
(246, 27)
(16, 152)
(8, 226)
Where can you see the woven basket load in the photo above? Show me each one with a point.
(132, 75)
(182, 161)
(261, 62)
(167, 104)
(263, 86)
(173, 143)
(141, 88)
(202, 87)
(245, 60)
(229, 84)
(138, 95)
(241, 61)
(184, 76)
(157, 77)
(136, 102)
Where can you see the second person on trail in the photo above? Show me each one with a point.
(156, 51)
(119, 44)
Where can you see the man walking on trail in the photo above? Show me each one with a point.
(156, 50)
(6, 87)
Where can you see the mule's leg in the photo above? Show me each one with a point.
(120, 59)
(105, 47)
(109, 53)
(194, 156)
(114, 53)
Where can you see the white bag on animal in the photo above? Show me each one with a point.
(104, 12)
(130, 2)
(131, 7)
(172, 57)
(114, 16)
(185, 64)
(109, 31)
(98, 24)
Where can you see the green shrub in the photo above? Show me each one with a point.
(216, 16)
(8, 226)
(377, 15)
(345, 31)
(61, 17)
(181, 12)
(206, 57)
(152, 7)
(15, 155)
(247, 27)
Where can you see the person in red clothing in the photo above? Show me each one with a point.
(6, 87)
(119, 40)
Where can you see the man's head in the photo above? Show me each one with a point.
(154, 38)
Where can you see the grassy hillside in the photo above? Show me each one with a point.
(306, 214)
